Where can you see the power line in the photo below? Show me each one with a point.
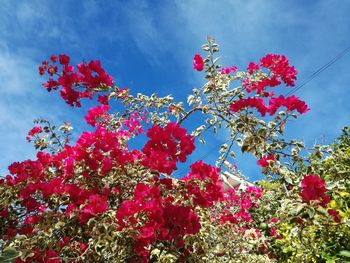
(310, 78)
(320, 70)
(213, 149)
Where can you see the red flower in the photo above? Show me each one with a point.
(52, 70)
(51, 257)
(64, 59)
(264, 161)
(335, 214)
(43, 67)
(314, 188)
(198, 63)
(280, 68)
(96, 205)
(228, 70)
(93, 74)
(252, 67)
(103, 99)
(257, 103)
(293, 103)
(35, 130)
(96, 113)
(53, 58)
(50, 84)
(167, 146)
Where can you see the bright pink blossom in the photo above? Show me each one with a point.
(167, 146)
(252, 67)
(265, 160)
(97, 113)
(291, 103)
(34, 131)
(96, 205)
(314, 189)
(103, 99)
(198, 63)
(75, 85)
(93, 75)
(335, 214)
(64, 59)
(257, 103)
(228, 70)
(279, 67)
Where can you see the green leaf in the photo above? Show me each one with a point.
(297, 210)
(345, 253)
(322, 211)
(8, 254)
(311, 212)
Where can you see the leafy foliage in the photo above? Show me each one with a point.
(97, 200)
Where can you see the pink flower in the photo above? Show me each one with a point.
(96, 205)
(103, 99)
(228, 70)
(291, 103)
(265, 160)
(257, 103)
(335, 214)
(43, 67)
(96, 113)
(280, 68)
(35, 130)
(52, 70)
(314, 188)
(93, 75)
(53, 58)
(198, 63)
(252, 67)
(167, 146)
(64, 59)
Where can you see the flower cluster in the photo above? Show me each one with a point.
(211, 190)
(97, 113)
(257, 103)
(165, 221)
(228, 70)
(34, 131)
(279, 68)
(133, 123)
(167, 146)
(244, 201)
(291, 103)
(314, 189)
(279, 71)
(75, 85)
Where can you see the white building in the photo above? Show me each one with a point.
(229, 180)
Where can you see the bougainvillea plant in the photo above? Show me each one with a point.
(98, 200)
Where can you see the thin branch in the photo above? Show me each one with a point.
(188, 114)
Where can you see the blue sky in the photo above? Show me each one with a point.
(148, 46)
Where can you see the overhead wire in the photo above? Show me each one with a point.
(320, 70)
(309, 79)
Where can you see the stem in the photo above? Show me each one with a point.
(188, 114)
